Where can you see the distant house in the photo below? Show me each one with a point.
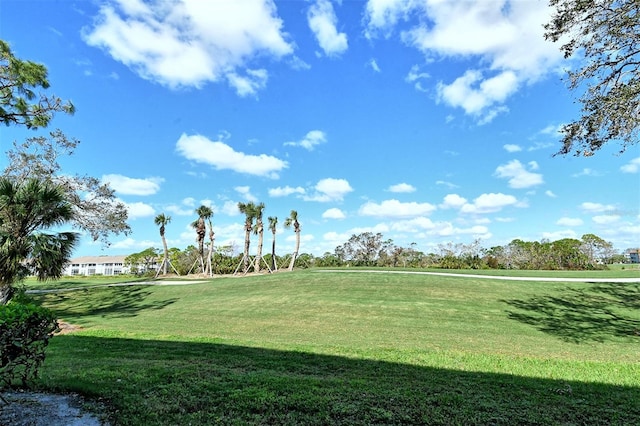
(97, 265)
(633, 255)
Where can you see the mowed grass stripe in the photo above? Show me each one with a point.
(315, 347)
(360, 312)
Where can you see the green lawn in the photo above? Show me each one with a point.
(317, 347)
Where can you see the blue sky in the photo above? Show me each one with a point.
(428, 121)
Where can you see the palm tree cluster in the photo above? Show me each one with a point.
(254, 224)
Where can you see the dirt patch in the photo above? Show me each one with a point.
(43, 409)
(66, 328)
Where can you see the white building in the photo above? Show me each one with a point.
(97, 265)
(633, 255)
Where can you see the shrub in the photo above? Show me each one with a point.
(25, 330)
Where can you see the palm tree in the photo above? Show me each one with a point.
(211, 240)
(248, 209)
(162, 220)
(259, 230)
(273, 222)
(27, 211)
(199, 225)
(288, 222)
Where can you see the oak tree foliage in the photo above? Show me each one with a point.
(606, 33)
(96, 209)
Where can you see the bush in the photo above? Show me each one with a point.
(25, 330)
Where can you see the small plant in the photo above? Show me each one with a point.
(25, 330)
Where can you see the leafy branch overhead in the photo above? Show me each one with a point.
(607, 34)
(96, 209)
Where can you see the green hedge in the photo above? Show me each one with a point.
(25, 330)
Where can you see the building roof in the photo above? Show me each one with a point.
(97, 259)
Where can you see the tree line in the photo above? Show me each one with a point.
(369, 249)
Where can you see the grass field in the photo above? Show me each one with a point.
(317, 347)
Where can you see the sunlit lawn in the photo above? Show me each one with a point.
(317, 347)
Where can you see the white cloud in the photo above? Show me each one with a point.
(223, 157)
(477, 95)
(298, 64)
(304, 238)
(339, 238)
(416, 224)
(632, 167)
(606, 219)
(453, 201)
(311, 140)
(245, 192)
(506, 39)
(402, 188)
(130, 243)
(504, 219)
(330, 189)
(512, 147)
(518, 176)
(550, 194)
(382, 15)
(489, 203)
(249, 83)
(186, 208)
(396, 209)
(552, 130)
(285, 191)
(132, 186)
(446, 229)
(322, 21)
(596, 207)
(447, 184)
(569, 221)
(191, 42)
(374, 65)
(333, 213)
(416, 76)
(138, 210)
(586, 172)
(559, 235)
(230, 208)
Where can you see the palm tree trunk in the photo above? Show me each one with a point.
(274, 265)
(165, 261)
(210, 255)
(294, 256)
(247, 243)
(259, 253)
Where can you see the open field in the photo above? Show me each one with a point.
(314, 347)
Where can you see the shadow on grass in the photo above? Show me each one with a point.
(163, 383)
(122, 301)
(599, 312)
